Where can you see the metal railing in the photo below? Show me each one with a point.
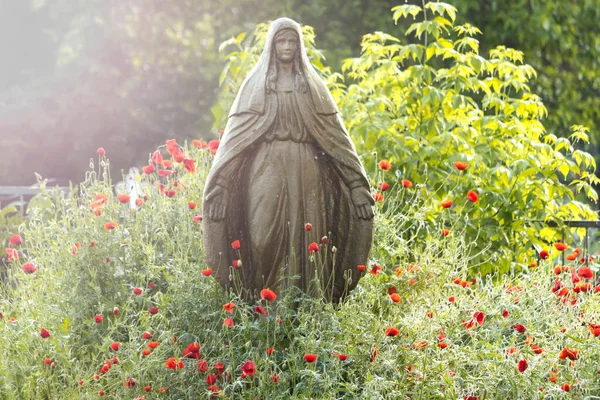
(574, 224)
(12, 193)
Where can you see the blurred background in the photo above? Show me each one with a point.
(126, 75)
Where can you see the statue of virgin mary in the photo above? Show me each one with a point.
(286, 182)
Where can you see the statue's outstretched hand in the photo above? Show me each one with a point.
(363, 202)
(217, 200)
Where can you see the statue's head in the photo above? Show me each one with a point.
(286, 45)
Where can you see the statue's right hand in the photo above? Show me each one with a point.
(217, 200)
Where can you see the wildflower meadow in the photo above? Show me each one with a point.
(105, 293)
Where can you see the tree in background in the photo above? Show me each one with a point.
(127, 75)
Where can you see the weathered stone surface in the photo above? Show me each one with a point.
(285, 160)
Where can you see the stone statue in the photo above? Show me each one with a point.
(286, 160)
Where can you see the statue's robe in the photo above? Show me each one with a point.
(286, 159)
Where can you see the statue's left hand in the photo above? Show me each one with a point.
(363, 202)
(216, 200)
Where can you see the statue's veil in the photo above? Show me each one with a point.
(251, 96)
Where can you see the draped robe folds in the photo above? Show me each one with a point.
(276, 186)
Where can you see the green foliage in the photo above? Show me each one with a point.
(559, 39)
(426, 104)
(85, 270)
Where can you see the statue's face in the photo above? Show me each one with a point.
(286, 46)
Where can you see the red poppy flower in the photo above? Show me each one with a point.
(479, 317)
(101, 151)
(260, 310)
(123, 198)
(461, 165)
(44, 333)
(235, 245)
(472, 196)
(211, 379)
(385, 165)
(419, 345)
(313, 247)
(383, 186)
(270, 351)
(207, 272)
(189, 166)
(268, 294)
(219, 367)
(595, 329)
(572, 256)
(192, 205)
(373, 352)
(228, 322)
(307, 227)
(199, 144)
(445, 232)
(147, 335)
(446, 203)
(202, 366)
(395, 297)
(137, 291)
(560, 246)
(165, 172)
(29, 268)
(47, 361)
(115, 346)
(361, 268)
(519, 328)
(153, 310)
(15, 240)
(170, 193)
(406, 183)
(566, 387)
(173, 364)
(505, 313)
(585, 273)
(249, 368)
(98, 318)
(171, 145)
(522, 365)
(378, 197)
(342, 356)
(375, 269)
(153, 345)
(310, 358)
(110, 225)
(237, 264)
(139, 202)
(544, 254)
(148, 169)
(197, 218)
(12, 254)
(192, 350)
(213, 146)
(229, 307)
(178, 156)
(146, 352)
(568, 353)
(537, 349)
(392, 331)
